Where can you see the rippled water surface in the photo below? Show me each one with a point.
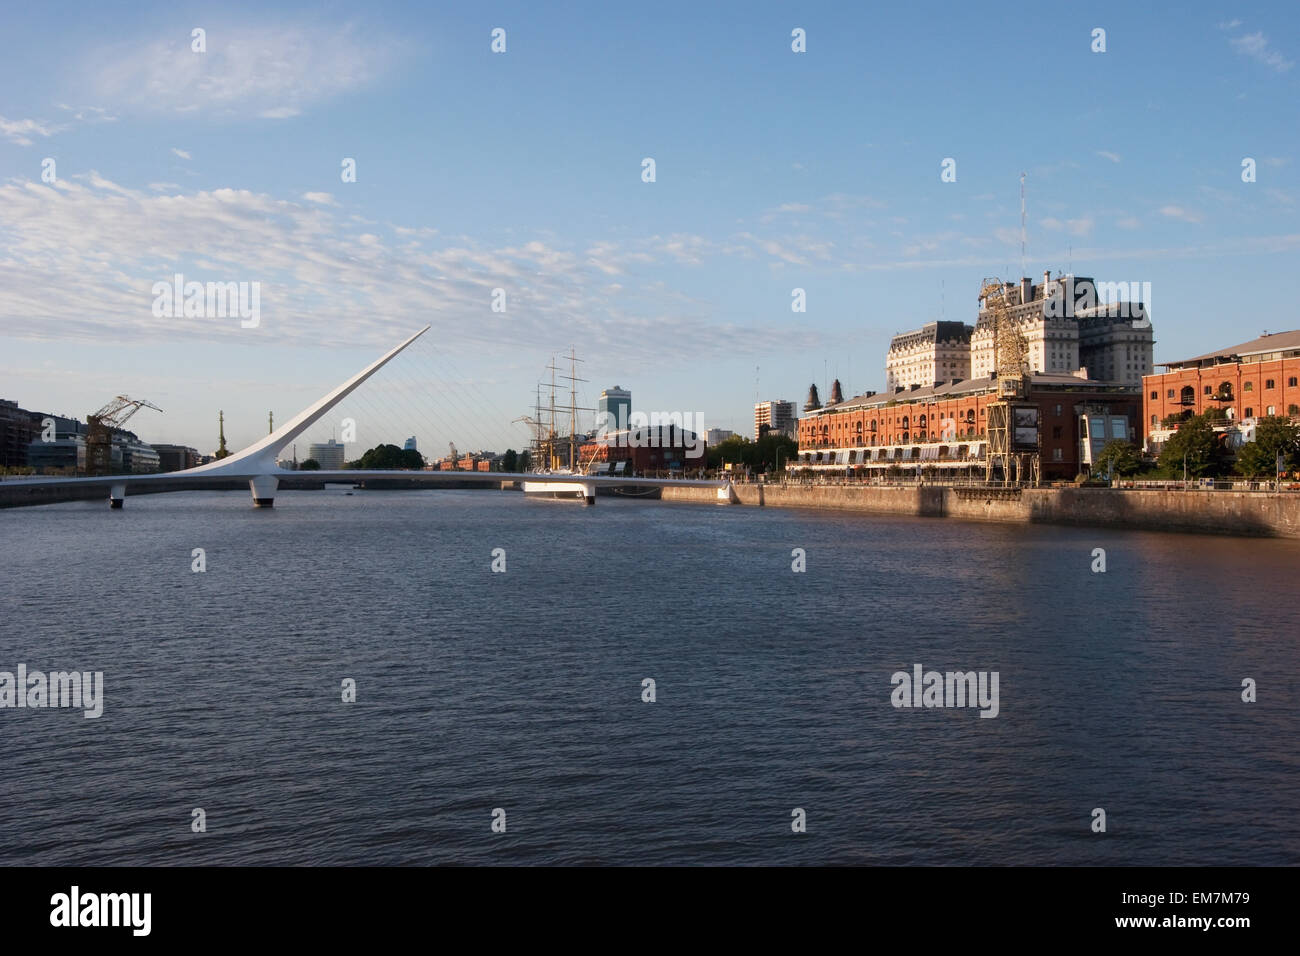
(523, 690)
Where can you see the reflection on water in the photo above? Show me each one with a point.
(523, 690)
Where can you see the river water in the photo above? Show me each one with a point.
(523, 690)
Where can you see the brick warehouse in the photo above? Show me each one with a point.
(944, 426)
(1245, 382)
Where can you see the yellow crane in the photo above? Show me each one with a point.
(1011, 423)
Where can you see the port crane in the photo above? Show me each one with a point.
(99, 438)
(1012, 422)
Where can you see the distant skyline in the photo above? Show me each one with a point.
(522, 171)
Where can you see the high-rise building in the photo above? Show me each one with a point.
(18, 429)
(936, 352)
(716, 436)
(176, 457)
(409, 444)
(328, 454)
(1066, 327)
(777, 416)
(614, 408)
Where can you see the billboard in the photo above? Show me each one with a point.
(1024, 428)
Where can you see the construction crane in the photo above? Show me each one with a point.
(1012, 423)
(99, 438)
(455, 455)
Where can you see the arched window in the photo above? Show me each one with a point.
(1188, 395)
(1225, 392)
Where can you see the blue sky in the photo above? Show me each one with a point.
(522, 170)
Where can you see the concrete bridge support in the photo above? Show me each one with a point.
(116, 495)
(588, 493)
(263, 488)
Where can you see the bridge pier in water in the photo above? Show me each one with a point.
(116, 495)
(263, 488)
(588, 493)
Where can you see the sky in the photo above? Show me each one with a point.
(523, 171)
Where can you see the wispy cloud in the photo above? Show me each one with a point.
(183, 154)
(1181, 213)
(1107, 154)
(1256, 46)
(325, 278)
(22, 131)
(271, 70)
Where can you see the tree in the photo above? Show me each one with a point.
(1273, 435)
(311, 464)
(1123, 454)
(730, 451)
(389, 458)
(773, 449)
(510, 460)
(1195, 439)
(525, 462)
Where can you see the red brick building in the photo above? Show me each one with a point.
(647, 450)
(944, 427)
(1248, 381)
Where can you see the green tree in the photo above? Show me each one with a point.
(311, 464)
(1195, 442)
(731, 451)
(389, 458)
(525, 461)
(510, 460)
(773, 449)
(1273, 435)
(1123, 454)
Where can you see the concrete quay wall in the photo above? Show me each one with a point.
(1253, 513)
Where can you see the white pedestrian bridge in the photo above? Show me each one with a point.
(257, 464)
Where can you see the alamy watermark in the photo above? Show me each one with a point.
(211, 300)
(626, 429)
(1125, 300)
(36, 689)
(923, 688)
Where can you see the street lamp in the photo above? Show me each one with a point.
(1184, 471)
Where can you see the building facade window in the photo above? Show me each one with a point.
(1269, 383)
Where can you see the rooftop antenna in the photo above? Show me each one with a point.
(1022, 224)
